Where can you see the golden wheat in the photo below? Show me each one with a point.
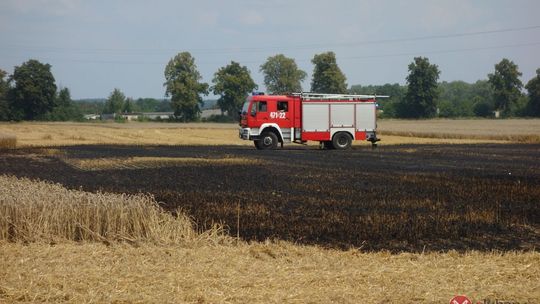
(33, 211)
(528, 138)
(508, 130)
(8, 141)
(39, 134)
(96, 164)
(437, 131)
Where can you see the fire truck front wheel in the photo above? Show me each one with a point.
(257, 144)
(268, 141)
(342, 141)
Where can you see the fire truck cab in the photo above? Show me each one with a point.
(335, 120)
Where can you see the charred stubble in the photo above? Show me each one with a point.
(414, 198)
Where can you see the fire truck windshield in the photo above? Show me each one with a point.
(245, 107)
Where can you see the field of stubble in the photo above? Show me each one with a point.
(413, 198)
(312, 224)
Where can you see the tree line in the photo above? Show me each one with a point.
(422, 97)
(30, 93)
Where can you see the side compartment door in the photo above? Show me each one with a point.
(342, 115)
(315, 121)
(366, 116)
(315, 117)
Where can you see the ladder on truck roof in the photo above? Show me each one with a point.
(320, 96)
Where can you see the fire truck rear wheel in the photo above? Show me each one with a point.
(268, 141)
(341, 141)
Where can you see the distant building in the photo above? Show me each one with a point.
(210, 112)
(135, 116)
(157, 115)
(107, 116)
(91, 116)
(148, 115)
(130, 116)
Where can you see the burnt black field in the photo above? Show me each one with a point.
(397, 198)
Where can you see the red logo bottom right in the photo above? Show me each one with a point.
(460, 300)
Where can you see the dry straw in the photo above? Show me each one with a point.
(257, 273)
(96, 164)
(521, 138)
(7, 141)
(164, 270)
(33, 211)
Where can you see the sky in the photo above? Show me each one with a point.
(95, 46)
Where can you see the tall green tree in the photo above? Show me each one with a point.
(282, 75)
(533, 90)
(183, 86)
(390, 107)
(64, 98)
(327, 76)
(456, 99)
(128, 106)
(33, 90)
(506, 85)
(146, 104)
(422, 91)
(64, 109)
(4, 106)
(233, 83)
(163, 106)
(90, 106)
(115, 102)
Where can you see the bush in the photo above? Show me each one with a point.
(520, 107)
(447, 109)
(483, 109)
(388, 110)
(120, 119)
(142, 118)
(218, 118)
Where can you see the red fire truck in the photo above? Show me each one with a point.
(335, 120)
